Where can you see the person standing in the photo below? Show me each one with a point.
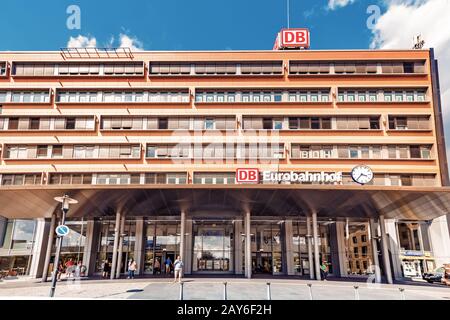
(178, 269)
(131, 268)
(168, 264)
(106, 269)
(324, 270)
(69, 267)
(157, 268)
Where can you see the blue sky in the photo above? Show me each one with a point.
(181, 24)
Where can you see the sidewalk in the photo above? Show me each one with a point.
(208, 288)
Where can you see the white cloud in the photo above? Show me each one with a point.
(130, 42)
(334, 4)
(403, 21)
(81, 42)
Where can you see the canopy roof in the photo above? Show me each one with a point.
(412, 203)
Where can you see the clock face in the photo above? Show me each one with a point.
(362, 174)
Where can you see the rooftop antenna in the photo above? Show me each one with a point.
(287, 11)
(419, 42)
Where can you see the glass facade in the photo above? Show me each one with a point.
(162, 242)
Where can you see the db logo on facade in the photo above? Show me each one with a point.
(247, 175)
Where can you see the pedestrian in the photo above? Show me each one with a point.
(324, 270)
(131, 268)
(69, 267)
(168, 264)
(157, 268)
(78, 269)
(60, 270)
(106, 269)
(178, 269)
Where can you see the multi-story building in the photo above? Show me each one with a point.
(149, 144)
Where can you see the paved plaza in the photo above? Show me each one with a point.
(237, 289)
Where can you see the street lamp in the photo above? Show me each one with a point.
(65, 201)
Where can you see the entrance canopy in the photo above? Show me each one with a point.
(329, 201)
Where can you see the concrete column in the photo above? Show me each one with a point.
(373, 240)
(316, 245)
(116, 241)
(91, 246)
(120, 249)
(440, 240)
(385, 251)
(411, 237)
(187, 269)
(238, 246)
(289, 244)
(38, 250)
(182, 234)
(310, 253)
(394, 247)
(48, 254)
(339, 257)
(139, 245)
(248, 248)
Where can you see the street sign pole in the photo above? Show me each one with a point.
(58, 251)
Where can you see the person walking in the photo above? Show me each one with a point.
(157, 269)
(168, 264)
(178, 269)
(131, 268)
(70, 265)
(324, 270)
(106, 269)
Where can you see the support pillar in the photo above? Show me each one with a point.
(38, 249)
(338, 249)
(139, 245)
(316, 245)
(238, 246)
(187, 269)
(385, 251)
(248, 248)
(373, 240)
(91, 245)
(120, 249)
(310, 252)
(289, 244)
(48, 254)
(182, 234)
(116, 241)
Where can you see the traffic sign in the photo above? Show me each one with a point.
(62, 230)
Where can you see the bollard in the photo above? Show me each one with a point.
(356, 292)
(224, 291)
(181, 290)
(310, 291)
(402, 293)
(269, 295)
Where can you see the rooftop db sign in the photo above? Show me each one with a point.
(253, 176)
(292, 39)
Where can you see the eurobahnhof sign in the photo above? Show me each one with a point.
(304, 177)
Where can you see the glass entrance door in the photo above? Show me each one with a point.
(213, 247)
(266, 246)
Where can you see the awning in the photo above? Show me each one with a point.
(412, 203)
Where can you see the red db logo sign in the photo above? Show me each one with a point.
(247, 175)
(294, 38)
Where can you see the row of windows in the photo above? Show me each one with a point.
(204, 96)
(47, 123)
(352, 95)
(25, 96)
(168, 123)
(216, 68)
(220, 68)
(218, 151)
(214, 123)
(34, 69)
(352, 67)
(263, 96)
(299, 151)
(181, 178)
(312, 123)
(122, 96)
(72, 151)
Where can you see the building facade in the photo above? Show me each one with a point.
(151, 145)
